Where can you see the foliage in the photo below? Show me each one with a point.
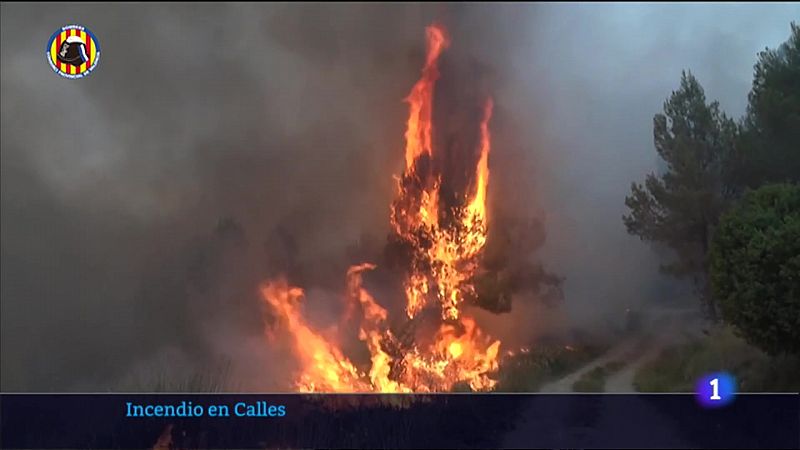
(755, 267)
(527, 372)
(507, 267)
(211, 378)
(678, 367)
(769, 147)
(680, 207)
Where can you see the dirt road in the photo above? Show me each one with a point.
(569, 419)
(664, 327)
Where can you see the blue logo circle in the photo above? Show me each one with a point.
(715, 389)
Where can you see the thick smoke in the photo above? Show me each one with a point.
(216, 144)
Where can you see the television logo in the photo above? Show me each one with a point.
(716, 389)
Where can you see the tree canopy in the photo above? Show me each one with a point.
(710, 162)
(769, 147)
(680, 206)
(755, 267)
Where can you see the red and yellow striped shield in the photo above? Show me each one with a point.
(73, 51)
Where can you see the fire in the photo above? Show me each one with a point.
(446, 239)
(449, 259)
(325, 367)
(419, 129)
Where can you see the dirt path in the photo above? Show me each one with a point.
(570, 420)
(622, 380)
(627, 350)
(665, 327)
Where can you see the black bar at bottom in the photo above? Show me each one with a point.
(50, 421)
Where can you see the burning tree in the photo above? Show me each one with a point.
(442, 226)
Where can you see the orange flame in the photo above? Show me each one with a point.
(325, 368)
(444, 266)
(420, 100)
(476, 211)
(444, 259)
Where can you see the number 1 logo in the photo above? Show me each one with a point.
(715, 389)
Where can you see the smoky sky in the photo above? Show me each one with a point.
(142, 205)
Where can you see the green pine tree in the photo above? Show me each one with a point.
(769, 147)
(681, 206)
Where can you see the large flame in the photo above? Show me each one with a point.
(324, 365)
(446, 243)
(420, 100)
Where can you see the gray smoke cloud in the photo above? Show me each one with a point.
(143, 205)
